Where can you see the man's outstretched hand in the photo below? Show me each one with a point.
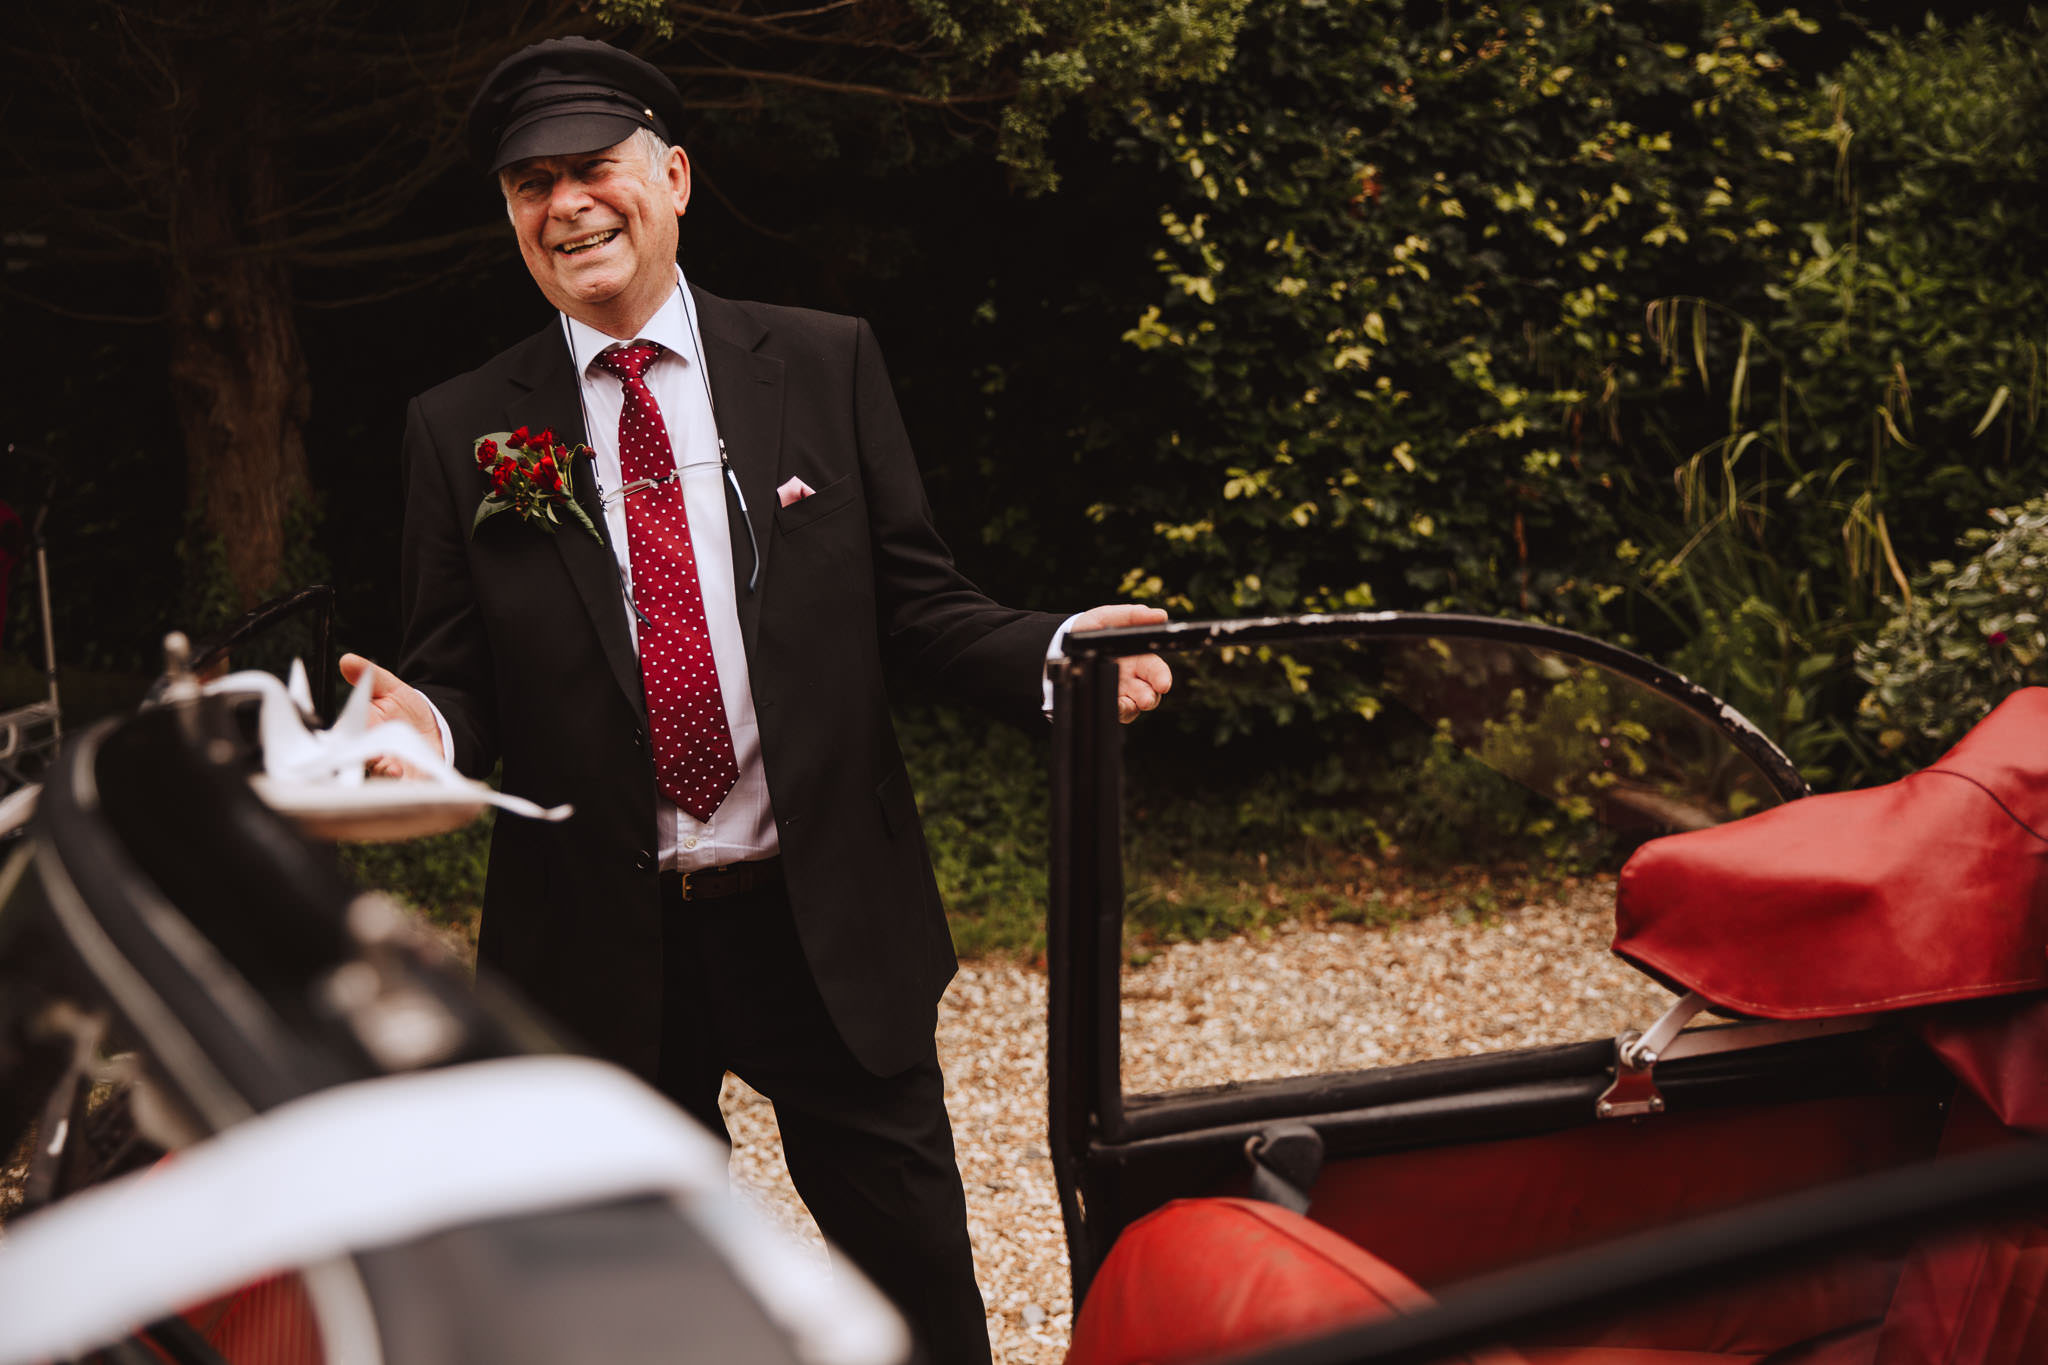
(392, 699)
(1141, 679)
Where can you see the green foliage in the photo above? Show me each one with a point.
(1916, 305)
(982, 793)
(1883, 393)
(1028, 60)
(209, 602)
(1221, 842)
(1459, 804)
(441, 877)
(1964, 640)
(1401, 267)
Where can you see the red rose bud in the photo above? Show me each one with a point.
(518, 438)
(546, 439)
(1997, 637)
(486, 452)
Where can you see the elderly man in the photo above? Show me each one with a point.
(745, 886)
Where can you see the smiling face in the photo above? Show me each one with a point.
(598, 230)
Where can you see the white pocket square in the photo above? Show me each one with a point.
(796, 490)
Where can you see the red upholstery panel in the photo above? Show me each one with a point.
(1200, 1277)
(1852, 1348)
(1974, 1302)
(1442, 1214)
(1999, 1049)
(1976, 1298)
(1617, 1355)
(269, 1322)
(1742, 1320)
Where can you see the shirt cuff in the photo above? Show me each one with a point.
(447, 735)
(1053, 653)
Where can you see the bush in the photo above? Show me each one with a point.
(1401, 268)
(1966, 639)
(1883, 396)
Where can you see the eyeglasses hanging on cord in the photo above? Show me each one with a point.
(607, 500)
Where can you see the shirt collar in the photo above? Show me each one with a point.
(672, 327)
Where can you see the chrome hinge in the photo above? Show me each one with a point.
(1634, 1090)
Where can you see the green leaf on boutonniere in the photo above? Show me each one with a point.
(489, 507)
(569, 485)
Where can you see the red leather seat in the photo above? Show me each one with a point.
(1200, 1278)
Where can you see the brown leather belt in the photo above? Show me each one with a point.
(714, 883)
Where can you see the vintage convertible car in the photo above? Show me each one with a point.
(371, 1161)
(1842, 1173)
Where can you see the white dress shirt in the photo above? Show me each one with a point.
(742, 829)
(743, 826)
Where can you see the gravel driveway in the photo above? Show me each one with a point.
(1299, 1000)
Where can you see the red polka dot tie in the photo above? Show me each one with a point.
(693, 759)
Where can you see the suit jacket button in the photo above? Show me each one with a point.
(639, 739)
(643, 861)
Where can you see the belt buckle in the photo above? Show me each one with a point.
(696, 872)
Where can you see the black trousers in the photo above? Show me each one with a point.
(871, 1155)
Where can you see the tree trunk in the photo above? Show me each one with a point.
(238, 372)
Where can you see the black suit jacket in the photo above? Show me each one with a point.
(520, 638)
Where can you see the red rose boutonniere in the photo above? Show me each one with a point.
(531, 475)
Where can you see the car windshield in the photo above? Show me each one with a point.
(1414, 860)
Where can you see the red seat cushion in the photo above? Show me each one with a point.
(1205, 1277)
(1200, 1277)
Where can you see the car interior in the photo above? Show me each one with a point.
(1797, 1057)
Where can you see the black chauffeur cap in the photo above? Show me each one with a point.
(567, 95)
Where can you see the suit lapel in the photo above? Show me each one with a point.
(546, 379)
(746, 390)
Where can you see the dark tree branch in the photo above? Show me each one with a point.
(78, 314)
(468, 261)
(699, 177)
(777, 27)
(399, 251)
(804, 82)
